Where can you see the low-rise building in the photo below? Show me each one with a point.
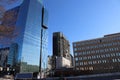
(4, 56)
(101, 55)
(62, 62)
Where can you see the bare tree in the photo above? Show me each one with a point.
(8, 1)
(11, 1)
(7, 30)
(2, 10)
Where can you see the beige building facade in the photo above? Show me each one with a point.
(101, 55)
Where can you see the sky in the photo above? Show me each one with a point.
(81, 19)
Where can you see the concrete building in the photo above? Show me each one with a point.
(101, 55)
(62, 62)
(61, 51)
(50, 65)
(61, 46)
(4, 56)
(61, 58)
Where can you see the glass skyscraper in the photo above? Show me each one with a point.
(30, 34)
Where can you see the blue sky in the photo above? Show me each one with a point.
(82, 19)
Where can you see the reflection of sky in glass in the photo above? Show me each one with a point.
(31, 57)
(45, 18)
(31, 42)
(44, 48)
(30, 34)
(8, 4)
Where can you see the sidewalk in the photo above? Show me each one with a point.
(7, 77)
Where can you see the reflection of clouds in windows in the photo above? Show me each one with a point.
(44, 48)
(32, 54)
(45, 37)
(32, 39)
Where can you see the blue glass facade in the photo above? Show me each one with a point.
(13, 53)
(28, 40)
